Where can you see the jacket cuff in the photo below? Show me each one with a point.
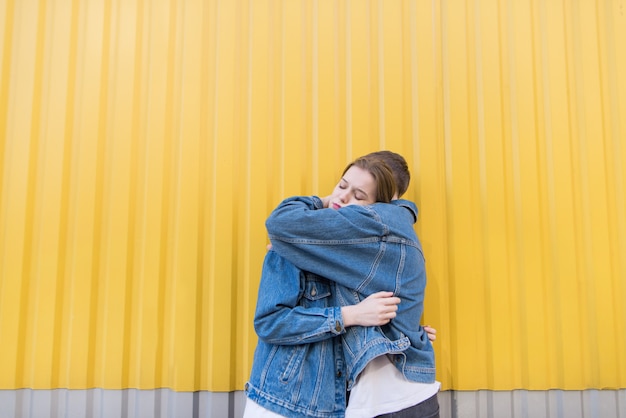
(317, 202)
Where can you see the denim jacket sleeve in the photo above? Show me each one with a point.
(292, 305)
(343, 245)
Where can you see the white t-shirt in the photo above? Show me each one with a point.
(382, 389)
(254, 410)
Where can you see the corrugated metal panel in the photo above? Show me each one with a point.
(124, 252)
(531, 196)
(144, 142)
(99, 403)
(534, 404)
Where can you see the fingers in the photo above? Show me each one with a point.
(389, 313)
(388, 306)
(429, 329)
(388, 296)
(380, 320)
(381, 307)
(382, 294)
(430, 332)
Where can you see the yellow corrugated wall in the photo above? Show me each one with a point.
(144, 142)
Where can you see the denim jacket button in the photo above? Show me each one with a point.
(337, 326)
(313, 292)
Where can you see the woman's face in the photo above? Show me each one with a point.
(356, 187)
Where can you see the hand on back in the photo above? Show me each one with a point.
(376, 309)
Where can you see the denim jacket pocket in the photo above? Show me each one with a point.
(294, 356)
(316, 288)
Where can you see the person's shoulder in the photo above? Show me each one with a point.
(406, 205)
(404, 202)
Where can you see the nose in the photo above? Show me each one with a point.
(344, 196)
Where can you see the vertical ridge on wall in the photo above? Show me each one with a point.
(614, 179)
(101, 159)
(6, 53)
(135, 26)
(584, 262)
(67, 86)
(167, 311)
(617, 124)
(550, 245)
(482, 160)
(208, 175)
(221, 160)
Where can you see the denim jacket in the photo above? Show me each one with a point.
(363, 249)
(298, 368)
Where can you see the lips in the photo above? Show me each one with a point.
(335, 206)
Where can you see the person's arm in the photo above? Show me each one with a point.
(281, 319)
(334, 243)
(323, 240)
(351, 246)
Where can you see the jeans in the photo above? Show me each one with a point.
(427, 409)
